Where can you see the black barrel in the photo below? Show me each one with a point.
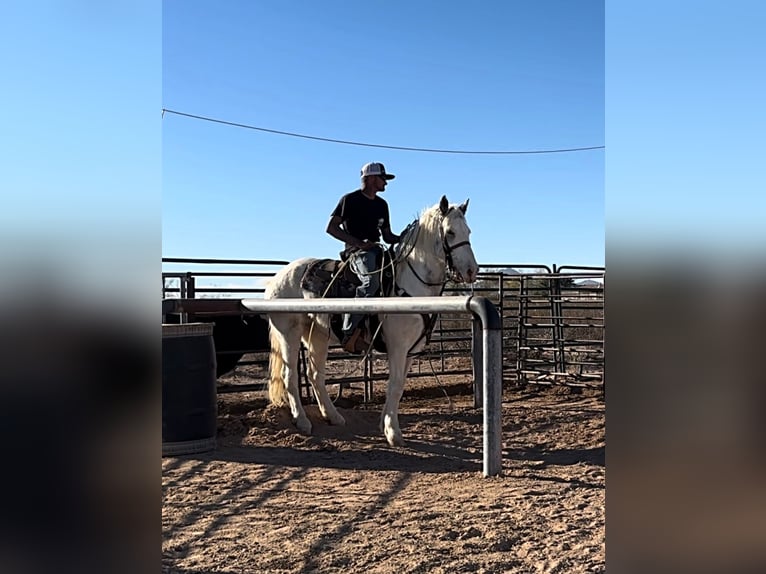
(189, 408)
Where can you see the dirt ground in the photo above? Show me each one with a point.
(271, 500)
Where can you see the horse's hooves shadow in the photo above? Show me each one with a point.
(358, 444)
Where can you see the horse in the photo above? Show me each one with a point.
(432, 248)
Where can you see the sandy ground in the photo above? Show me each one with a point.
(271, 500)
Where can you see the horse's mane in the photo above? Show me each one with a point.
(425, 227)
(430, 219)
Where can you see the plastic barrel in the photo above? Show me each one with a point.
(189, 407)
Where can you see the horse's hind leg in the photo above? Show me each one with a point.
(316, 339)
(289, 331)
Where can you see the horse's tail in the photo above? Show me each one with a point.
(277, 389)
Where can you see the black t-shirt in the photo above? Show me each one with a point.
(363, 217)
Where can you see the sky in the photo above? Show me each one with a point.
(94, 180)
(485, 76)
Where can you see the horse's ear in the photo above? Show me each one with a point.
(464, 206)
(444, 205)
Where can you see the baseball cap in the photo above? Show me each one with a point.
(376, 168)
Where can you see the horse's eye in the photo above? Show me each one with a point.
(451, 233)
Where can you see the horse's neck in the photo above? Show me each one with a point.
(424, 263)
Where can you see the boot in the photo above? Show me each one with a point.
(355, 342)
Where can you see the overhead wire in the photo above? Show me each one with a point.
(382, 146)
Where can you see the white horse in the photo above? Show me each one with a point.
(431, 248)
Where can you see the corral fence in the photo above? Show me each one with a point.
(553, 323)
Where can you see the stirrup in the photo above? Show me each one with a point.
(355, 342)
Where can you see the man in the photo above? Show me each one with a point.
(359, 220)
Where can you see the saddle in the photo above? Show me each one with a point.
(326, 278)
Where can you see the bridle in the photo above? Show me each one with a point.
(448, 249)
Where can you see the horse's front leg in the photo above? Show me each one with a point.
(398, 366)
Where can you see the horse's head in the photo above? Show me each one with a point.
(456, 240)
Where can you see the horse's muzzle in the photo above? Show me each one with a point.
(469, 277)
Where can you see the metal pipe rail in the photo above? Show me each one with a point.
(488, 354)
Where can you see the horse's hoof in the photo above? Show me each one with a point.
(303, 426)
(395, 440)
(337, 420)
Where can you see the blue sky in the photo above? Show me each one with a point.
(93, 179)
(489, 76)
(685, 130)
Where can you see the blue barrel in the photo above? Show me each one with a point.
(189, 400)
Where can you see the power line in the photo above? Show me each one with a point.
(403, 148)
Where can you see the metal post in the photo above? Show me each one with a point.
(368, 378)
(493, 396)
(492, 361)
(477, 361)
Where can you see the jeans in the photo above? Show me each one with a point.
(365, 265)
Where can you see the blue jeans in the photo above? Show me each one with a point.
(365, 265)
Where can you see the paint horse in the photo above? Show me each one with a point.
(432, 249)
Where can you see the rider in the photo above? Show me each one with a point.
(359, 220)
